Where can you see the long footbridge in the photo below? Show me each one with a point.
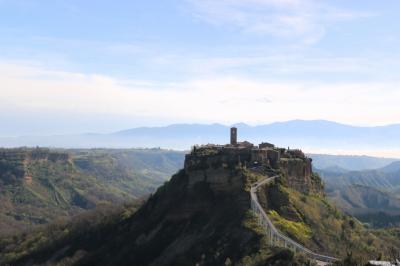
(276, 238)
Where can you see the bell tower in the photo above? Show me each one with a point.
(233, 135)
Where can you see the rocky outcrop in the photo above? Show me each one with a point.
(299, 176)
(218, 165)
(220, 179)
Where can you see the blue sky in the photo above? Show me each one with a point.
(79, 66)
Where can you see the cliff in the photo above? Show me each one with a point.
(216, 165)
(202, 216)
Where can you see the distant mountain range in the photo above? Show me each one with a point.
(308, 135)
(346, 163)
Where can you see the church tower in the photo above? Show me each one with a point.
(233, 135)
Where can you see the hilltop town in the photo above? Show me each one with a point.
(291, 163)
(233, 204)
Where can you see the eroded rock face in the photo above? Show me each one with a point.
(219, 166)
(299, 176)
(220, 179)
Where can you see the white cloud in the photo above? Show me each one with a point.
(223, 99)
(304, 19)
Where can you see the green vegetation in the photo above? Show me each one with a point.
(91, 223)
(296, 230)
(379, 220)
(199, 217)
(320, 226)
(178, 225)
(39, 185)
(371, 196)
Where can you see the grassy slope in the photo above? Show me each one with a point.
(38, 185)
(377, 179)
(356, 199)
(92, 223)
(320, 226)
(182, 226)
(176, 226)
(372, 196)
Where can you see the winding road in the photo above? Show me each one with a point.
(276, 238)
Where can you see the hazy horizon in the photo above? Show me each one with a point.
(73, 67)
(312, 136)
(161, 125)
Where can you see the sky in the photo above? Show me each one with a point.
(72, 66)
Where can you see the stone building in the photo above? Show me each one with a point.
(212, 162)
(233, 136)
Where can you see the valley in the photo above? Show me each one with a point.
(39, 185)
(370, 195)
(203, 215)
(199, 133)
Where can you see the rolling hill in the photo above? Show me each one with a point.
(358, 199)
(202, 216)
(378, 179)
(38, 185)
(346, 163)
(370, 195)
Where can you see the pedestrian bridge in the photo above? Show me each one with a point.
(275, 237)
